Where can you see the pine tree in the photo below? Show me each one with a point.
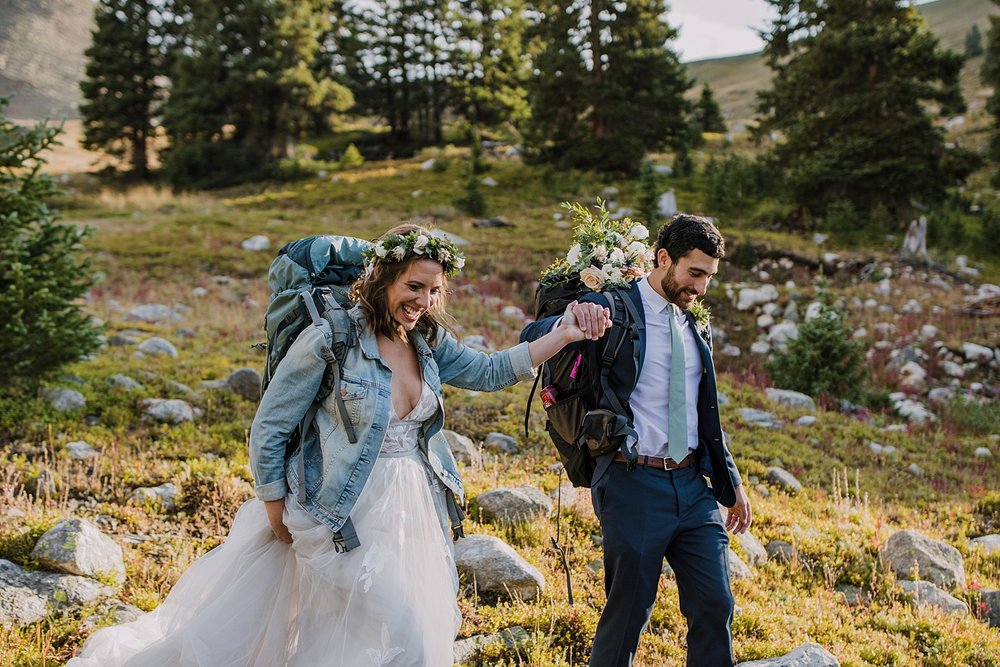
(649, 194)
(41, 276)
(471, 200)
(493, 67)
(609, 88)
(973, 42)
(991, 77)
(852, 82)
(121, 87)
(707, 112)
(243, 86)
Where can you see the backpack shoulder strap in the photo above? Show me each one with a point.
(332, 376)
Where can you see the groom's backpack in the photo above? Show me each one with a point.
(584, 417)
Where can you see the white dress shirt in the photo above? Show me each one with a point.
(650, 399)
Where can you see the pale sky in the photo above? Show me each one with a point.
(715, 28)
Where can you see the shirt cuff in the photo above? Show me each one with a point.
(520, 361)
(275, 490)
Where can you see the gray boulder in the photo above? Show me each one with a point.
(793, 399)
(77, 546)
(466, 649)
(463, 449)
(158, 347)
(783, 480)
(926, 594)
(515, 505)
(989, 543)
(81, 451)
(111, 612)
(153, 313)
(246, 383)
(909, 553)
(750, 297)
(989, 608)
(781, 551)
(65, 400)
(124, 382)
(168, 411)
(807, 655)
(760, 418)
(737, 568)
(256, 243)
(498, 442)
(496, 568)
(755, 551)
(164, 494)
(26, 597)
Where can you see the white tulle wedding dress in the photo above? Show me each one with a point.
(255, 601)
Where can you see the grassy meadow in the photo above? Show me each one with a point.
(153, 246)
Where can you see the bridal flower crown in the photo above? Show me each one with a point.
(606, 253)
(399, 247)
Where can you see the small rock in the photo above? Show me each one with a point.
(245, 382)
(807, 655)
(755, 551)
(781, 551)
(497, 568)
(790, 398)
(498, 442)
(806, 420)
(909, 553)
(760, 418)
(989, 543)
(76, 546)
(515, 505)
(463, 449)
(164, 494)
(168, 411)
(915, 470)
(783, 480)
(983, 453)
(124, 382)
(926, 594)
(977, 353)
(65, 400)
(153, 313)
(28, 596)
(256, 243)
(81, 451)
(157, 346)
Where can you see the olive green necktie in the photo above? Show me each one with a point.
(677, 430)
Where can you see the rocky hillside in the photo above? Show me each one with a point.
(41, 55)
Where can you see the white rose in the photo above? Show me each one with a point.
(600, 253)
(592, 277)
(459, 262)
(638, 232)
(611, 274)
(617, 257)
(420, 244)
(573, 256)
(635, 249)
(399, 252)
(380, 250)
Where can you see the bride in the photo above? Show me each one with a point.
(354, 566)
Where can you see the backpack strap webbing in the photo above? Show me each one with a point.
(346, 538)
(333, 370)
(455, 514)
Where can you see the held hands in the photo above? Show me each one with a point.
(585, 321)
(740, 516)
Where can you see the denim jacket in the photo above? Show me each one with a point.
(336, 470)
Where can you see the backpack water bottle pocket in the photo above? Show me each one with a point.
(602, 431)
(563, 425)
(566, 416)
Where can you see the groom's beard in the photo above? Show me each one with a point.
(678, 295)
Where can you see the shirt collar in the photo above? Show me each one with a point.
(654, 302)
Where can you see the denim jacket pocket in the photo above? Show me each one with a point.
(353, 390)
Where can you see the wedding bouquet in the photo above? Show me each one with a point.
(606, 253)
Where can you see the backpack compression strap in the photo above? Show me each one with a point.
(334, 367)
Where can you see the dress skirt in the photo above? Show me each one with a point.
(255, 601)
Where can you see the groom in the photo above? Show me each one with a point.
(654, 502)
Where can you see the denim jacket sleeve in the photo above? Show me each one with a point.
(464, 367)
(288, 396)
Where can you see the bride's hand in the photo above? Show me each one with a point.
(275, 511)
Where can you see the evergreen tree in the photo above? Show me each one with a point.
(649, 194)
(852, 82)
(243, 79)
(493, 67)
(973, 42)
(707, 112)
(607, 88)
(471, 200)
(121, 86)
(991, 77)
(41, 278)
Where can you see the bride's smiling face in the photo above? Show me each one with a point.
(414, 292)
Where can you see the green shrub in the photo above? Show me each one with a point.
(215, 164)
(351, 158)
(42, 279)
(821, 360)
(649, 194)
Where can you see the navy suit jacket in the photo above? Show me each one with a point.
(713, 455)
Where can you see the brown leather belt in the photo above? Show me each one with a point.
(657, 462)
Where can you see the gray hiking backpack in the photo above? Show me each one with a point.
(310, 283)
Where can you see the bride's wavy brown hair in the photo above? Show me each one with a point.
(371, 294)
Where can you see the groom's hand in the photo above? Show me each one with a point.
(740, 516)
(588, 321)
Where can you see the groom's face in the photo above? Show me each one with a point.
(687, 278)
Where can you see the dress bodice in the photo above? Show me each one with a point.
(401, 434)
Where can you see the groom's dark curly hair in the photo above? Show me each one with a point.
(684, 232)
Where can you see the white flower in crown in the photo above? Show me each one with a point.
(459, 261)
(635, 250)
(420, 244)
(612, 274)
(399, 252)
(380, 250)
(443, 255)
(638, 232)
